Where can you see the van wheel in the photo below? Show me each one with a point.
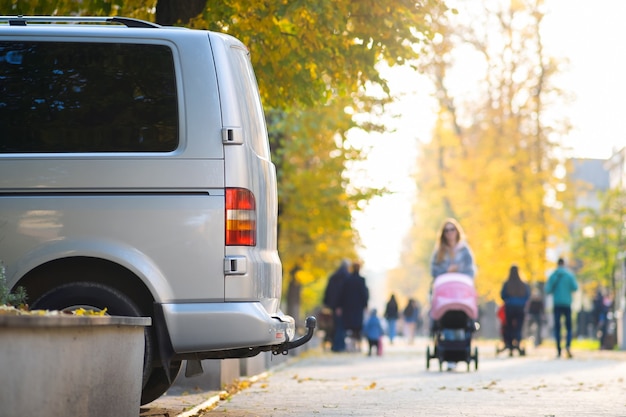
(158, 383)
(97, 297)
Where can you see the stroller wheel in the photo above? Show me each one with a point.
(428, 357)
(475, 358)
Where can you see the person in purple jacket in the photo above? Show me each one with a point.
(515, 294)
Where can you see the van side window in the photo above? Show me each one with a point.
(58, 97)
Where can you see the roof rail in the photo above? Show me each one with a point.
(127, 21)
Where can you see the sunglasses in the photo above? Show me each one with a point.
(449, 229)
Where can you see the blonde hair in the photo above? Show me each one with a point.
(441, 247)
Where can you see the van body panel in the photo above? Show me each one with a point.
(98, 173)
(116, 252)
(176, 235)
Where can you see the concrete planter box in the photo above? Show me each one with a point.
(62, 365)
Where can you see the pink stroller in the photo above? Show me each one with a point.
(454, 312)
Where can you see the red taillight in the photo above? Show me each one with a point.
(240, 217)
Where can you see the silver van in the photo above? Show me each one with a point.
(135, 175)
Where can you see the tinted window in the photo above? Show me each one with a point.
(87, 97)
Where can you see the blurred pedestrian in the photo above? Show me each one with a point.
(410, 315)
(352, 302)
(391, 315)
(605, 310)
(597, 309)
(373, 331)
(515, 294)
(536, 314)
(419, 324)
(561, 284)
(452, 252)
(331, 300)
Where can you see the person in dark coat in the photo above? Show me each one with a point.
(391, 315)
(352, 302)
(331, 300)
(515, 294)
(410, 314)
(536, 313)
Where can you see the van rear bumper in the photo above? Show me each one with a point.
(201, 327)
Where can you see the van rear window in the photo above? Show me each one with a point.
(60, 97)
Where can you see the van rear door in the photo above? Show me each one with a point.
(248, 166)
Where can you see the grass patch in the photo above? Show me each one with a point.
(585, 344)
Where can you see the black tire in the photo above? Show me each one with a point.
(95, 296)
(158, 383)
(476, 359)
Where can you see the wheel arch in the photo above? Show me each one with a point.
(62, 261)
(57, 272)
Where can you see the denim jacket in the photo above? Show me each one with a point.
(463, 258)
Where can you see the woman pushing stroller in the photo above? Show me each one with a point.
(452, 258)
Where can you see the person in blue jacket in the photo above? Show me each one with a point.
(562, 284)
(373, 331)
(515, 294)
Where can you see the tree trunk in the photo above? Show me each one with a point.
(293, 294)
(170, 12)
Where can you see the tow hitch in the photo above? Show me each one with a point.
(284, 348)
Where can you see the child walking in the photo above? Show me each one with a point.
(373, 331)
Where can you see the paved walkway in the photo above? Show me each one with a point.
(398, 384)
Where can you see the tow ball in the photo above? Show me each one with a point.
(284, 348)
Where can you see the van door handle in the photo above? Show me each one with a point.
(232, 136)
(235, 265)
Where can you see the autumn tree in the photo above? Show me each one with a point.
(314, 207)
(599, 242)
(490, 162)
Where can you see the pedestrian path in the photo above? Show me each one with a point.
(397, 384)
(323, 383)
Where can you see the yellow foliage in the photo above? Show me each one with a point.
(491, 171)
(89, 312)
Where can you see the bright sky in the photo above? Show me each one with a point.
(589, 35)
